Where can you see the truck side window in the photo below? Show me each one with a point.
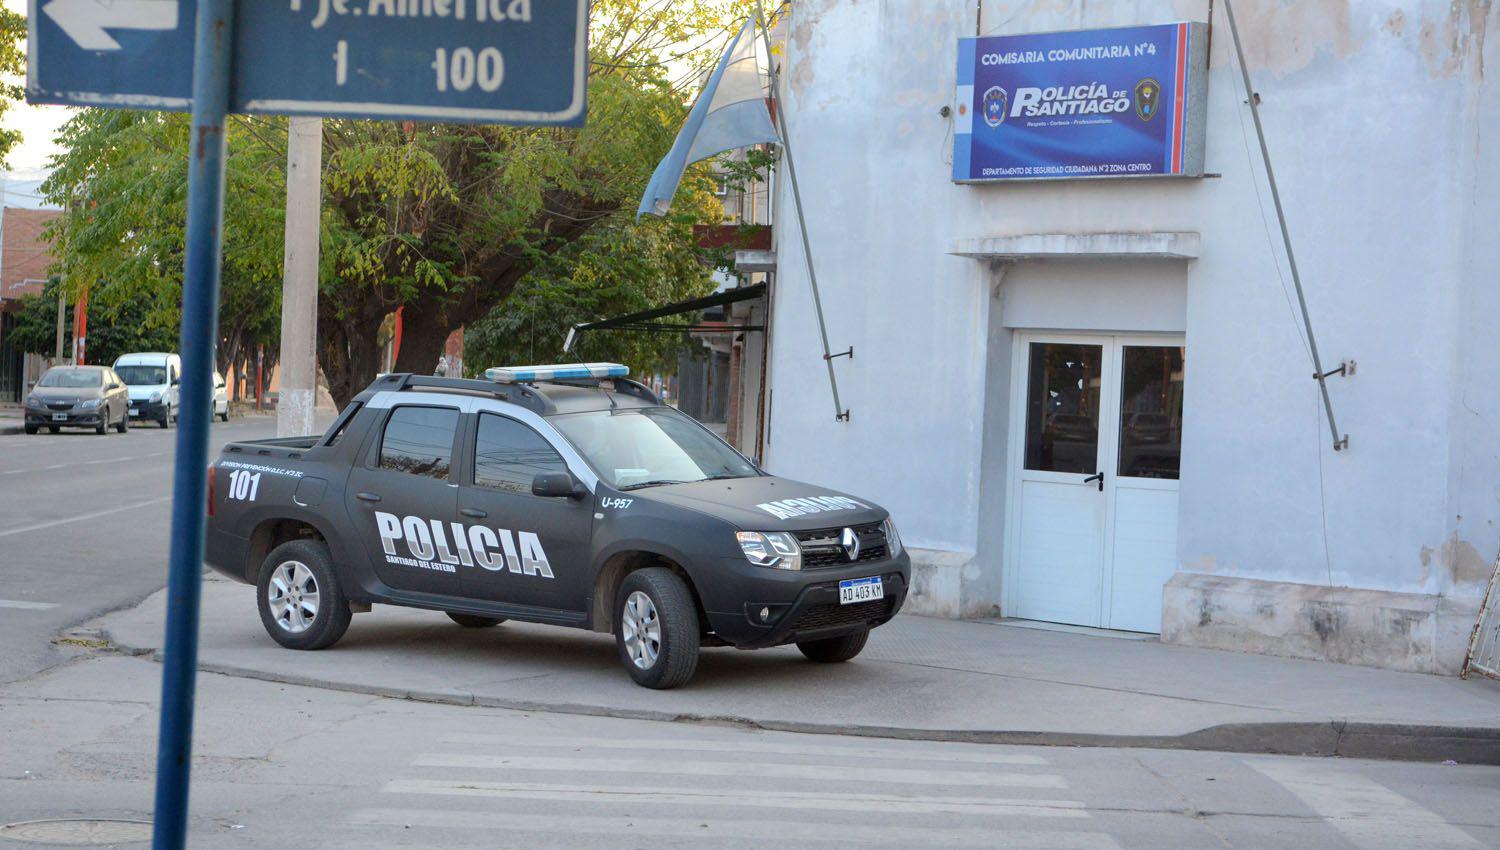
(343, 424)
(419, 440)
(508, 455)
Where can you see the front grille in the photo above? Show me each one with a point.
(59, 405)
(822, 548)
(833, 614)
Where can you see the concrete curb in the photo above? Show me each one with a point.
(1350, 739)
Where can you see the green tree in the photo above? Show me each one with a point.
(112, 331)
(447, 222)
(12, 68)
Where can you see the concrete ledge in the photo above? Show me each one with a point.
(1416, 633)
(1172, 245)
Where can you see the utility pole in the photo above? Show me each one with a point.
(299, 288)
(62, 307)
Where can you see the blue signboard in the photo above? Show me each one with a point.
(1125, 102)
(484, 61)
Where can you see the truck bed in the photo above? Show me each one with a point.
(287, 447)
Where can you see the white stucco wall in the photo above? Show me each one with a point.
(1382, 128)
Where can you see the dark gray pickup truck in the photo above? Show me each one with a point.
(562, 495)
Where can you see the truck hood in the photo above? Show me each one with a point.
(767, 503)
(142, 392)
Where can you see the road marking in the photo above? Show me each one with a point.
(743, 770)
(27, 606)
(634, 794)
(712, 828)
(1369, 814)
(751, 746)
(79, 518)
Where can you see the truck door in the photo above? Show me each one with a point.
(529, 550)
(402, 499)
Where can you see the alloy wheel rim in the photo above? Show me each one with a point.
(293, 597)
(641, 628)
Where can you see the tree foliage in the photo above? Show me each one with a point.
(454, 224)
(12, 67)
(111, 331)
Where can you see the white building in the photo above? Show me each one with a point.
(1012, 339)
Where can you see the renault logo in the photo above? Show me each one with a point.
(850, 541)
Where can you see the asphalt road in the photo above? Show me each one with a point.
(83, 529)
(279, 765)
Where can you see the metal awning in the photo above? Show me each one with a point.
(645, 320)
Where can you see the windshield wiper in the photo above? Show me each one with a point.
(651, 484)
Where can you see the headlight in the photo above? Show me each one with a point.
(776, 549)
(155, 397)
(33, 401)
(90, 404)
(892, 539)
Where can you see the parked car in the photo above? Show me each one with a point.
(153, 378)
(78, 397)
(562, 495)
(221, 397)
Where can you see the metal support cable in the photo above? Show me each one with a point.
(1340, 441)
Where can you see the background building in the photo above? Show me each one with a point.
(1010, 340)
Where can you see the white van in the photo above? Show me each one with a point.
(153, 379)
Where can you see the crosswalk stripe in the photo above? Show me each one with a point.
(782, 832)
(1369, 814)
(748, 747)
(744, 770)
(838, 802)
(27, 606)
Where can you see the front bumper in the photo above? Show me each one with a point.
(147, 410)
(70, 418)
(805, 605)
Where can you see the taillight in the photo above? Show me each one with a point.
(210, 491)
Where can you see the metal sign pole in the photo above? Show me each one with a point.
(212, 55)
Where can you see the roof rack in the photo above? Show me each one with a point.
(525, 395)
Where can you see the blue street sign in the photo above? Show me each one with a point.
(478, 61)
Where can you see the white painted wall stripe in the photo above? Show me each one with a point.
(744, 770)
(779, 832)
(1367, 813)
(829, 802)
(752, 746)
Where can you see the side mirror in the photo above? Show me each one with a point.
(113, 386)
(557, 485)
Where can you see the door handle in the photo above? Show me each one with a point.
(474, 512)
(367, 497)
(1098, 476)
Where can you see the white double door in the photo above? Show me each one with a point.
(1096, 437)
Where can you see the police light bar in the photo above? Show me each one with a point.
(557, 372)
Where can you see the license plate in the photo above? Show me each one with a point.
(135, 411)
(854, 590)
(59, 417)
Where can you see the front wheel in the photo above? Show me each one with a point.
(469, 621)
(30, 429)
(835, 650)
(103, 427)
(301, 603)
(124, 424)
(656, 631)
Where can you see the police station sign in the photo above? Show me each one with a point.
(1127, 102)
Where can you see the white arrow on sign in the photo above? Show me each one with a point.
(85, 21)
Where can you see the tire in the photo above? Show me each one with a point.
(30, 429)
(224, 417)
(291, 565)
(835, 650)
(124, 424)
(166, 419)
(103, 427)
(53, 429)
(657, 597)
(469, 621)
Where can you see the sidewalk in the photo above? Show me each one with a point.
(919, 678)
(12, 417)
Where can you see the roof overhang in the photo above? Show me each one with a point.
(1164, 245)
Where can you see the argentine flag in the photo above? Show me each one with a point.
(730, 113)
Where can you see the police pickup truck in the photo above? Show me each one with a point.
(567, 495)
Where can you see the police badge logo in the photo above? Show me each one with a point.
(996, 103)
(1147, 99)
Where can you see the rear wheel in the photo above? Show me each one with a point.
(301, 603)
(469, 621)
(835, 650)
(656, 631)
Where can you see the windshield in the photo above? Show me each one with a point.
(72, 378)
(641, 448)
(149, 376)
